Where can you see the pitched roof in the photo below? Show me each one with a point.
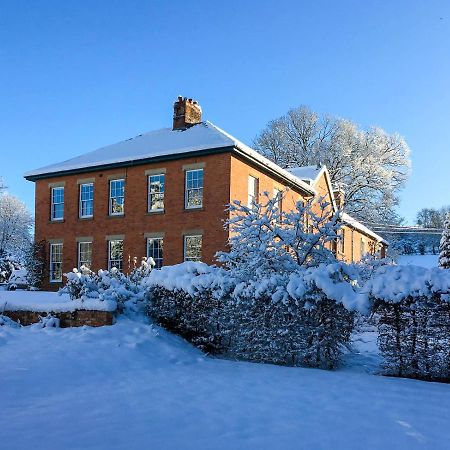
(349, 220)
(162, 144)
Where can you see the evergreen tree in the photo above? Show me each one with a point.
(444, 248)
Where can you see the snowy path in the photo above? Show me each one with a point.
(122, 387)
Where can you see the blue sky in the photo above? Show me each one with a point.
(77, 75)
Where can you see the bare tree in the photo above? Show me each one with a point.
(370, 165)
(432, 217)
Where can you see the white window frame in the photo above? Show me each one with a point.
(149, 193)
(187, 190)
(253, 183)
(79, 254)
(186, 237)
(52, 204)
(109, 254)
(161, 258)
(86, 216)
(52, 253)
(111, 213)
(362, 247)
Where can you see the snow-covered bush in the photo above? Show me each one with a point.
(265, 241)
(305, 318)
(110, 285)
(414, 320)
(7, 265)
(367, 266)
(280, 296)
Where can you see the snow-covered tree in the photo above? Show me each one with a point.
(370, 165)
(34, 263)
(444, 248)
(264, 240)
(15, 226)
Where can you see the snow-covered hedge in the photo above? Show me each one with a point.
(414, 320)
(305, 318)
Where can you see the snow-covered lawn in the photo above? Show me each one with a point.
(132, 386)
(427, 261)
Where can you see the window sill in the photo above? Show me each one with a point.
(57, 221)
(153, 213)
(115, 216)
(55, 281)
(199, 208)
(86, 218)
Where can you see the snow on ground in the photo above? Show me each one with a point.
(427, 261)
(134, 386)
(42, 301)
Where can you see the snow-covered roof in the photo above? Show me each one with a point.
(163, 143)
(308, 174)
(349, 220)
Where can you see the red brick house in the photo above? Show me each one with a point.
(164, 194)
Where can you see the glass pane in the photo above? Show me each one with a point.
(117, 199)
(57, 208)
(116, 254)
(155, 250)
(156, 193)
(55, 262)
(85, 254)
(193, 248)
(194, 188)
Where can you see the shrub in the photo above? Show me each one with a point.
(414, 321)
(305, 319)
(110, 285)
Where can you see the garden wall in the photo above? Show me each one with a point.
(77, 318)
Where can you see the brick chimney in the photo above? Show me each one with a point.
(339, 197)
(186, 113)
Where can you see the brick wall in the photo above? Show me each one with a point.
(67, 319)
(136, 222)
(241, 170)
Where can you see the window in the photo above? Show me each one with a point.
(115, 254)
(194, 189)
(85, 254)
(155, 250)
(193, 248)
(56, 262)
(57, 210)
(156, 193)
(252, 191)
(363, 248)
(87, 200)
(116, 197)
